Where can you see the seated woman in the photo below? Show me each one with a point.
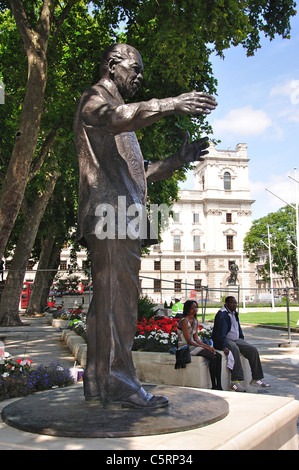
(187, 335)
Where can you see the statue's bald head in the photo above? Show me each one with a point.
(115, 54)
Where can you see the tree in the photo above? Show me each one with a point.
(48, 263)
(68, 74)
(9, 307)
(282, 226)
(35, 42)
(63, 42)
(176, 37)
(38, 22)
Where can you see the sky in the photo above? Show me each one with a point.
(258, 104)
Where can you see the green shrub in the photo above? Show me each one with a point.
(145, 308)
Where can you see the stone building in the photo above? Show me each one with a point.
(203, 243)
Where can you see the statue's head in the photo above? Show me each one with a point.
(123, 65)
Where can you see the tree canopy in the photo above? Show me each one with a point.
(282, 228)
(50, 52)
(65, 40)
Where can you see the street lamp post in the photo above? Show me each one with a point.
(271, 275)
(297, 229)
(297, 221)
(160, 259)
(243, 283)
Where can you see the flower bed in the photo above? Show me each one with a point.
(19, 378)
(157, 334)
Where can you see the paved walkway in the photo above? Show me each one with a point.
(39, 341)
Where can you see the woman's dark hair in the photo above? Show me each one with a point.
(187, 306)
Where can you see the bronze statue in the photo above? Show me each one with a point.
(232, 279)
(113, 179)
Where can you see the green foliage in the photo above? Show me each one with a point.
(67, 284)
(145, 308)
(175, 38)
(282, 227)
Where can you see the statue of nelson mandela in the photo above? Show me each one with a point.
(112, 166)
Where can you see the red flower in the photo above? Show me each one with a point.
(165, 324)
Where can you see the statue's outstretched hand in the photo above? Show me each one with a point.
(193, 151)
(196, 102)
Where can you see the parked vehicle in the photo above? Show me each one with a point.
(26, 293)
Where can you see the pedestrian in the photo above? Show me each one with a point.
(228, 336)
(188, 336)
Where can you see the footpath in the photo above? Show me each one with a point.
(39, 341)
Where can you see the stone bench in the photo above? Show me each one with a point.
(159, 368)
(155, 367)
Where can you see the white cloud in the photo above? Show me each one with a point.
(243, 122)
(289, 89)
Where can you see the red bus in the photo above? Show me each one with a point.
(26, 292)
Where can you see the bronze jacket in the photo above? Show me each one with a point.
(112, 175)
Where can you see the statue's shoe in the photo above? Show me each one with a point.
(142, 399)
(91, 390)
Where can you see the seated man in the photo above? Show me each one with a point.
(227, 335)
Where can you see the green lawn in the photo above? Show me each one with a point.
(263, 318)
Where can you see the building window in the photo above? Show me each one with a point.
(7, 265)
(176, 243)
(228, 217)
(85, 264)
(227, 181)
(197, 284)
(177, 265)
(157, 285)
(176, 217)
(196, 242)
(229, 242)
(30, 265)
(63, 264)
(197, 265)
(157, 265)
(195, 218)
(178, 285)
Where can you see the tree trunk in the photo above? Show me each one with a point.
(35, 43)
(53, 267)
(9, 307)
(47, 268)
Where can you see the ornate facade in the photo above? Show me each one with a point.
(203, 245)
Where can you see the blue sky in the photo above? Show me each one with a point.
(259, 105)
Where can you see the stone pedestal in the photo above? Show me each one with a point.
(64, 412)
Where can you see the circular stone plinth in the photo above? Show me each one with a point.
(64, 413)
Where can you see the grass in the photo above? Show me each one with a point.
(263, 318)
